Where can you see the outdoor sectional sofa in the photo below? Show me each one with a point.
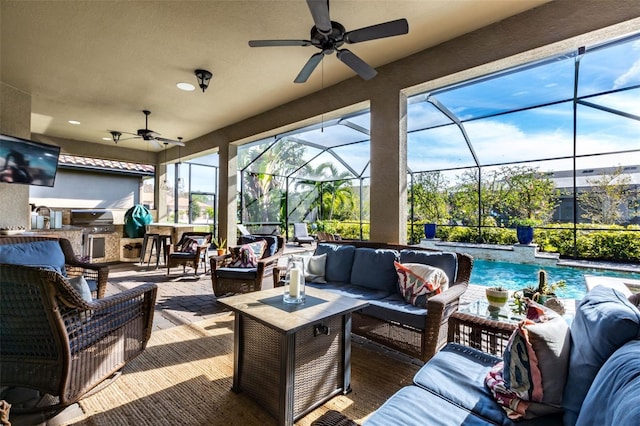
(601, 383)
(366, 271)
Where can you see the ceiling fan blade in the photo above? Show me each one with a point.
(363, 69)
(171, 141)
(126, 139)
(308, 68)
(270, 43)
(386, 29)
(320, 12)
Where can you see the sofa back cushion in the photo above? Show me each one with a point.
(613, 399)
(375, 269)
(339, 261)
(448, 262)
(604, 321)
(36, 253)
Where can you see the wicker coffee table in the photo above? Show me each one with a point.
(475, 326)
(292, 358)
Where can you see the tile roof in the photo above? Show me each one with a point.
(74, 161)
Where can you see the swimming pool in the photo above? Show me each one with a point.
(515, 276)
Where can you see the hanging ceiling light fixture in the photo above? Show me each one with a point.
(115, 135)
(204, 77)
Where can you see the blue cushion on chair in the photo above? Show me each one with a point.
(613, 399)
(604, 321)
(36, 253)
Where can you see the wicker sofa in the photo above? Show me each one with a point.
(601, 386)
(56, 340)
(365, 270)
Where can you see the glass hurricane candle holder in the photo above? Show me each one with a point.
(294, 281)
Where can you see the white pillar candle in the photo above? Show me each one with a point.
(294, 282)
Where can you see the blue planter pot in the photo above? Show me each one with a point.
(525, 234)
(430, 230)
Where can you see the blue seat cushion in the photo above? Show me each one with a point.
(457, 373)
(614, 396)
(605, 320)
(374, 268)
(394, 308)
(412, 405)
(36, 253)
(448, 262)
(349, 290)
(339, 261)
(237, 273)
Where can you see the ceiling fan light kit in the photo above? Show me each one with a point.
(329, 36)
(204, 77)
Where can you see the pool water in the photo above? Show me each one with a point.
(515, 276)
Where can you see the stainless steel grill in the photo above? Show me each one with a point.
(93, 221)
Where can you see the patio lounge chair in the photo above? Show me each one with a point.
(301, 235)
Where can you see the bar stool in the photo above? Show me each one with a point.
(159, 242)
(143, 249)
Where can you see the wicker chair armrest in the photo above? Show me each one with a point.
(226, 258)
(149, 290)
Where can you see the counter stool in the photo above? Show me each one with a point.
(143, 249)
(160, 243)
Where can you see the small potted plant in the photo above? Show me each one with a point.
(497, 297)
(220, 244)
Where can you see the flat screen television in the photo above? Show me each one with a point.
(27, 162)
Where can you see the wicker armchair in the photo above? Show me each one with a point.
(55, 342)
(227, 280)
(177, 258)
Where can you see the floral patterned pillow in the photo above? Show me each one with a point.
(417, 282)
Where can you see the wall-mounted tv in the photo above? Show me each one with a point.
(27, 162)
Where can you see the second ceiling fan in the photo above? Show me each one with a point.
(329, 36)
(146, 134)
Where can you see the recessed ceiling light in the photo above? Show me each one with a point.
(187, 87)
(74, 122)
(106, 139)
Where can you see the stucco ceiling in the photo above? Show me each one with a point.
(102, 62)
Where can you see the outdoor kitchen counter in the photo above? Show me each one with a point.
(71, 233)
(174, 229)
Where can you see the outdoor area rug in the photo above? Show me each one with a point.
(185, 375)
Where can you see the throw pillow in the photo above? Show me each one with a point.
(530, 380)
(82, 287)
(243, 257)
(418, 282)
(314, 268)
(189, 245)
(258, 247)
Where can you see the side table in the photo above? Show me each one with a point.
(475, 326)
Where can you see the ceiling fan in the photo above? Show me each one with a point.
(329, 36)
(146, 134)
